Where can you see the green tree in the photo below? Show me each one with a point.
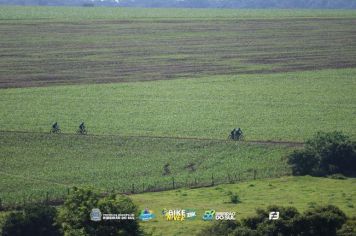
(74, 217)
(323, 220)
(319, 221)
(303, 162)
(264, 226)
(325, 154)
(33, 220)
(348, 229)
(221, 228)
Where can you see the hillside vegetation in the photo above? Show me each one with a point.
(299, 192)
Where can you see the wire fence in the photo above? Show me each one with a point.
(171, 183)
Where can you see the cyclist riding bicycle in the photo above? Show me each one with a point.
(82, 129)
(55, 128)
(236, 134)
(82, 126)
(232, 133)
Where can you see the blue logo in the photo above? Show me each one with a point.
(190, 214)
(146, 215)
(95, 214)
(209, 215)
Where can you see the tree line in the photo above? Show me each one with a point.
(313, 4)
(316, 221)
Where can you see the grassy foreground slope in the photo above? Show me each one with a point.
(299, 192)
(48, 46)
(284, 106)
(33, 164)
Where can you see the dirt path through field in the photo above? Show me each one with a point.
(259, 142)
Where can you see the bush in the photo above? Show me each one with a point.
(303, 162)
(234, 198)
(348, 229)
(74, 216)
(221, 228)
(325, 154)
(322, 220)
(33, 220)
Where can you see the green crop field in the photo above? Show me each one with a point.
(300, 192)
(159, 91)
(41, 163)
(284, 106)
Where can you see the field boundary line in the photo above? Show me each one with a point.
(261, 142)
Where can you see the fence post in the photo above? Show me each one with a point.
(173, 184)
(143, 187)
(195, 181)
(133, 188)
(67, 191)
(47, 197)
(212, 179)
(254, 174)
(0, 204)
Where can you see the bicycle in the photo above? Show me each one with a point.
(240, 137)
(55, 131)
(82, 131)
